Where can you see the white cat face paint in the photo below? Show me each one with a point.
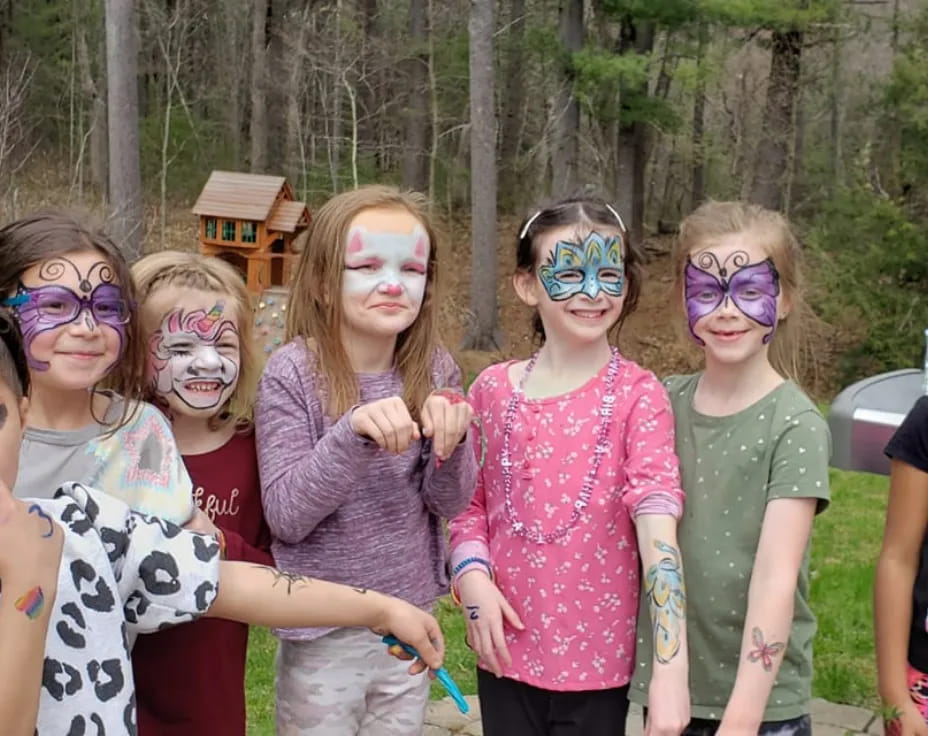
(390, 265)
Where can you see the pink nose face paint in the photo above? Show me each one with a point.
(391, 264)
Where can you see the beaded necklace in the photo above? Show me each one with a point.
(583, 499)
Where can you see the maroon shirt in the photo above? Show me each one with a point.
(190, 679)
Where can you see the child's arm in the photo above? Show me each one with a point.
(451, 469)
(264, 596)
(485, 607)
(798, 481)
(906, 522)
(305, 477)
(771, 596)
(668, 693)
(30, 554)
(654, 499)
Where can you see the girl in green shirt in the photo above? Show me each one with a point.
(753, 455)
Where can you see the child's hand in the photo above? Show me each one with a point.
(484, 608)
(200, 522)
(668, 700)
(387, 422)
(446, 415)
(906, 721)
(415, 627)
(30, 544)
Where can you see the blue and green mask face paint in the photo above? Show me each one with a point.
(588, 268)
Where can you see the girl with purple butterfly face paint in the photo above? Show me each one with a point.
(753, 453)
(69, 287)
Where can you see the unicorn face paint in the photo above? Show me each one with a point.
(194, 359)
(590, 267)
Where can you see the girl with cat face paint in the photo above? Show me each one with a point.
(69, 288)
(753, 453)
(363, 449)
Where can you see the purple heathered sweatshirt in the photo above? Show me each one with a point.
(340, 508)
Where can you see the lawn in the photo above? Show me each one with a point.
(844, 551)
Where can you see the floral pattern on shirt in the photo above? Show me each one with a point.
(577, 596)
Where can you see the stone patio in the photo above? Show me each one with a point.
(829, 719)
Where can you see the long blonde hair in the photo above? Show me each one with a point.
(206, 273)
(713, 220)
(315, 311)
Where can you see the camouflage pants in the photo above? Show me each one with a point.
(345, 684)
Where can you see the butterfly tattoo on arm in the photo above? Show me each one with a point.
(764, 652)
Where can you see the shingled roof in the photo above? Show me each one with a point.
(234, 194)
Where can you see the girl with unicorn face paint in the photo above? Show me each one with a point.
(202, 372)
(69, 288)
(753, 453)
(363, 448)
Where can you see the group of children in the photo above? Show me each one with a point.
(160, 480)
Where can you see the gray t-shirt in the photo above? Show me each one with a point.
(138, 463)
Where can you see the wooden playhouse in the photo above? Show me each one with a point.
(251, 220)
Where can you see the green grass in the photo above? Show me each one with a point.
(845, 546)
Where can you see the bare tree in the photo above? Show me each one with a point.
(698, 191)
(15, 82)
(771, 162)
(513, 103)
(632, 146)
(483, 334)
(416, 114)
(123, 116)
(566, 161)
(257, 130)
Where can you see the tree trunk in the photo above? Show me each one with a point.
(513, 102)
(257, 130)
(93, 91)
(698, 191)
(483, 333)
(566, 161)
(416, 120)
(772, 155)
(632, 145)
(368, 98)
(125, 176)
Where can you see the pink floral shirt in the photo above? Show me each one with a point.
(577, 596)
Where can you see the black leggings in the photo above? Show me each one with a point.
(512, 708)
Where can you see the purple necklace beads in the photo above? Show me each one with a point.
(583, 499)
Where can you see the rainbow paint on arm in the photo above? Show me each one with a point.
(441, 674)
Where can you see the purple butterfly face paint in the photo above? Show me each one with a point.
(48, 306)
(752, 287)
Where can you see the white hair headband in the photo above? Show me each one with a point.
(528, 223)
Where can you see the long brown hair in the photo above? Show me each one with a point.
(213, 275)
(713, 220)
(39, 237)
(315, 312)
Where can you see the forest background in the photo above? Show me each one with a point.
(816, 107)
